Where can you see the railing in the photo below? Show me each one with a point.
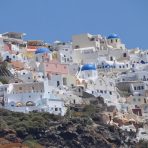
(123, 93)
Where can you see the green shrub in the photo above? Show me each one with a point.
(143, 144)
(89, 110)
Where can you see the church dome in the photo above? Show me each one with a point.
(88, 67)
(112, 36)
(42, 50)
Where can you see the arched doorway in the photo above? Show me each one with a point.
(30, 103)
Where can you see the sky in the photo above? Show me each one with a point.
(51, 20)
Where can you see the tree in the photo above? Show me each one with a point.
(4, 64)
(3, 80)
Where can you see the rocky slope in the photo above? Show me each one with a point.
(45, 130)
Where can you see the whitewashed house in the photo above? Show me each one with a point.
(29, 96)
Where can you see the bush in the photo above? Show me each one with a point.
(89, 110)
(33, 123)
(143, 144)
(4, 80)
(21, 132)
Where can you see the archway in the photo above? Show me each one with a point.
(19, 104)
(30, 103)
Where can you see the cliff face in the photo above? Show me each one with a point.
(45, 130)
(83, 133)
(75, 133)
(5, 74)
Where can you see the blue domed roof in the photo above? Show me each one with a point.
(112, 36)
(42, 50)
(88, 67)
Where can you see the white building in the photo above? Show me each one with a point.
(95, 45)
(85, 55)
(25, 97)
(64, 51)
(86, 40)
(87, 72)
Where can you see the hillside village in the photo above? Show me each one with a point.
(52, 77)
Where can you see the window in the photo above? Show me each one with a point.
(28, 77)
(144, 78)
(134, 99)
(101, 91)
(60, 109)
(91, 82)
(143, 133)
(139, 99)
(135, 88)
(64, 81)
(56, 109)
(111, 41)
(111, 58)
(124, 55)
(100, 82)
(139, 87)
(77, 46)
(110, 93)
(92, 39)
(116, 40)
(48, 76)
(20, 88)
(142, 87)
(36, 58)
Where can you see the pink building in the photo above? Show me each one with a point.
(55, 67)
(56, 72)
